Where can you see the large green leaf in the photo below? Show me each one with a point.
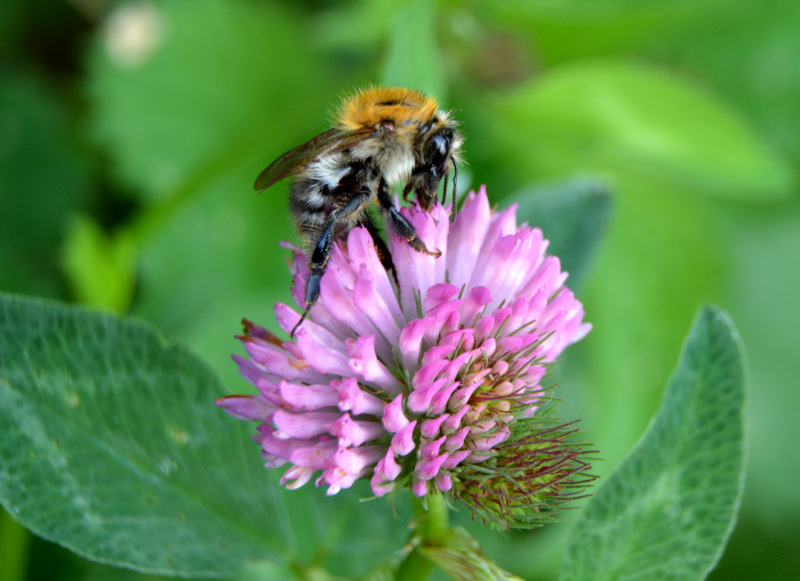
(667, 511)
(113, 448)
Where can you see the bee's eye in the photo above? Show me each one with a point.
(440, 145)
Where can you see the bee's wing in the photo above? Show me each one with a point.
(292, 162)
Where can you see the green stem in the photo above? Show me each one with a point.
(432, 519)
(431, 529)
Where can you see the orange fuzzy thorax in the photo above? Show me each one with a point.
(399, 106)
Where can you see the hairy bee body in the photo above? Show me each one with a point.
(382, 137)
(322, 190)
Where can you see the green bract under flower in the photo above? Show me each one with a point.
(431, 381)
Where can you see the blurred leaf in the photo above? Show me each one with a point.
(383, 573)
(748, 53)
(43, 177)
(573, 215)
(92, 401)
(615, 117)
(413, 58)
(215, 260)
(266, 570)
(667, 511)
(210, 82)
(99, 267)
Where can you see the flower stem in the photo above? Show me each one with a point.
(431, 528)
(432, 519)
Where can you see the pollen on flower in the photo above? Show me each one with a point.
(430, 381)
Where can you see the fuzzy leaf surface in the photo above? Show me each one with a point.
(667, 510)
(112, 446)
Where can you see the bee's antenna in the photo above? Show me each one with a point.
(455, 191)
(444, 189)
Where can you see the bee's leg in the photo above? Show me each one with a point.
(322, 252)
(400, 225)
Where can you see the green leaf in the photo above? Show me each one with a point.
(667, 511)
(624, 119)
(572, 215)
(113, 448)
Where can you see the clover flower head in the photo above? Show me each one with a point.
(429, 379)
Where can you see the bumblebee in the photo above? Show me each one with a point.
(383, 136)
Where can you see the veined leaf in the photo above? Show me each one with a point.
(667, 510)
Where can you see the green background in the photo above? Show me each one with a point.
(126, 173)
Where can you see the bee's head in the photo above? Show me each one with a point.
(436, 149)
(439, 140)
